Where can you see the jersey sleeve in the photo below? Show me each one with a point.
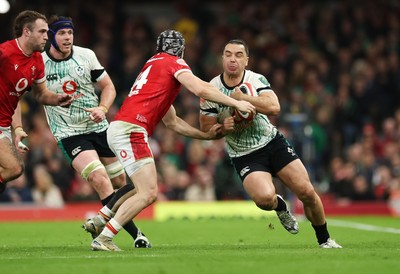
(209, 108)
(97, 71)
(260, 83)
(179, 66)
(40, 76)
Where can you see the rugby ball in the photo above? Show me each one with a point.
(240, 116)
(248, 89)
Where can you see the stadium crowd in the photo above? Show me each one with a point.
(333, 64)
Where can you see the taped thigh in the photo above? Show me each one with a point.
(92, 166)
(114, 169)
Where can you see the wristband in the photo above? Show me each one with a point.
(18, 129)
(104, 108)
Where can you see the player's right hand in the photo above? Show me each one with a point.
(214, 132)
(65, 100)
(228, 125)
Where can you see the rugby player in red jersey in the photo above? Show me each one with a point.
(22, 69)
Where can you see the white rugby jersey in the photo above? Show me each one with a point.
(74, 75)
(247, 137)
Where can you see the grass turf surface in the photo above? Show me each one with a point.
(208, 246)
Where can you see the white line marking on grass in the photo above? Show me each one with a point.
(364, 226)
(125, 254)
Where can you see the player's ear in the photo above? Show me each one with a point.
(26, 31)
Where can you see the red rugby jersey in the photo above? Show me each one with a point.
(153, 92)
(18, 72)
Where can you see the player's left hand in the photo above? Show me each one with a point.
(237, 94)
(20, 134)
(96, 114)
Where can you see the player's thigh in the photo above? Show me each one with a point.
(115, 171)
(145, 178)
(295, 176)
(83, 159)
(9, 157)
(259, 185)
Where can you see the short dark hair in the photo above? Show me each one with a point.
(239, 42)
(26, 18)
(55, 18)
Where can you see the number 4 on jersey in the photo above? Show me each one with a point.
(140, 81)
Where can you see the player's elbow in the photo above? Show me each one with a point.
(170, 123)
(270, 109)
(275, 110)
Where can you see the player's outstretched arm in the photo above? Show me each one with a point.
(207, 91)
(181, 127)
(266, 103)
(46, 97)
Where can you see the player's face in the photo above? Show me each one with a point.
(38, 35)
(234, 59)
(65, 40)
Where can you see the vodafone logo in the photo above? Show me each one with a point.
(69, 87)
(21, 84)
(123, 154)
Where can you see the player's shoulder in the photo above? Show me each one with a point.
(163, 57)
(256, 79)
(82, 51)
(216, 81)
(8, 47)
(249, 74)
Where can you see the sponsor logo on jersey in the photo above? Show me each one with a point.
(16, 67)
(123, 154)
(52, 77)
(80, 70)
(244, 170)
(141, 118)
(76, 150)
(291, 151)
(70, 87)
(21, 84)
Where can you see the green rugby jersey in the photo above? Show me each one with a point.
(74, 75)
(248, 136)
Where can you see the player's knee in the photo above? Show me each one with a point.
(15, 171)
(307, 195)
(264, 202)
(150, 196)
(96, 175)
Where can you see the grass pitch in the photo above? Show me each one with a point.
(245, 246)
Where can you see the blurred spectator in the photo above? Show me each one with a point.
(45, 192)
(342, 175)
(17, 191)
(81, 190)
(361, 189)
(202, 186)
(382, 182)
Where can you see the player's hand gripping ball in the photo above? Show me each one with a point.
(240, 116)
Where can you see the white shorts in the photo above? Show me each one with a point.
(5, 132)
(129, 142)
